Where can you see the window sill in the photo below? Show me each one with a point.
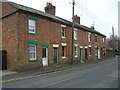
(76, 56)
(32, 33)
(76, 39)
(33, 60)
(64, 57)
(63, 37)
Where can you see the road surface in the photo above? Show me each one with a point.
(100, 75)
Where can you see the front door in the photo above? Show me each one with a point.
(99, 53)
(55, 52)
(45, 56)
(81, 54)
(3, 60)
(86, 54)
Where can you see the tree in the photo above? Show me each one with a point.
(113, 42)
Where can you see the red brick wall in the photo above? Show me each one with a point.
(47, 32)
(15, 39)
(10, 39)
(7, 9)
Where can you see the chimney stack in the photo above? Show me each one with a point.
(77, 19)
(50, 9)
(92, 27)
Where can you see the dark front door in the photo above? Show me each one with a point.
(55, 55)
(101, 52)
(3, 60)
(86, 54)
(80, 53)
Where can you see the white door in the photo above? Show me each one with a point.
(99, 53)
(45, 56)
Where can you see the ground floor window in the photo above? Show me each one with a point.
(96, 50)
(90, 51)
(76, 51)
(63, 51)
(32, 51)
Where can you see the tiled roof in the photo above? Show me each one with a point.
(54, 18)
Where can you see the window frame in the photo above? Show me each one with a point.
(75, 34)
(63, 32)
(35, 52)
(103, 40)
(96, 50)
(34, 26)
(63, 27)
(90, 51)
(95, 37)
(89, 37)
(63, 57)
(76, 52)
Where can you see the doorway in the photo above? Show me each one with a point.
(86, 54)
(55, 54)
(45, 56)
(81, 54)
(3, 60)
(99, 54)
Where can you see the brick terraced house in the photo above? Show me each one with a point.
(34, 39)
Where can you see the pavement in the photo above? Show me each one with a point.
(7, 75)
(6, 72)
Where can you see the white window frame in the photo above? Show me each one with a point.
(103, 40)
(90, 50)
(33, 26)
(76, 51)
(34, 52)
(89, 37)
(96, 50)
(96, 38)
(75, 34)
(64, 57)
(63, 26)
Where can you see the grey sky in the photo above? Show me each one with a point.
(104, 13)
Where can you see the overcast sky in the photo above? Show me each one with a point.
(102, 13)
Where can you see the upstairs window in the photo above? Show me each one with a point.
(103, 40)
(75, 34)
(63, 31)
(31, 26)
(95, 38)
(89, 37)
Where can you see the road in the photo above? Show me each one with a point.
(100, 75)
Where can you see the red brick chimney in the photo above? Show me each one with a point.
(77, 19)
(50, 9)
(92, 27)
